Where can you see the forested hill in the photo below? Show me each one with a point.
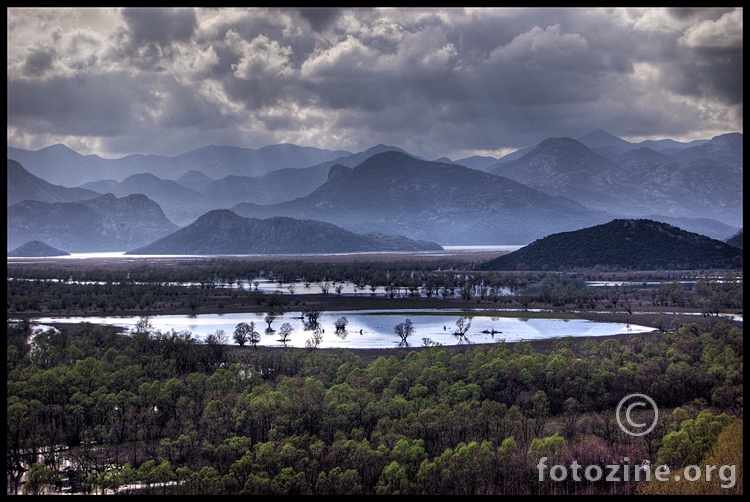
(622, 244)
(224, 232)
(36, 248)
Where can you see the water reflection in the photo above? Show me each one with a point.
(373, 329)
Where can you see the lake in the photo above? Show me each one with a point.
(375, 329)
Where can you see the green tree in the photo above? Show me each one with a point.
(40, 479)
(693, 439)
(242, 333)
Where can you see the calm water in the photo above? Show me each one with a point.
(374, 329)
(120, 256)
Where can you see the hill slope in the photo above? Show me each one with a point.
(223, 232)
(22, 185)
(735, 240)
(622, 244)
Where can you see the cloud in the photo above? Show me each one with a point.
(443, 82)
(723, 32)
(258, 58)
(38, 61)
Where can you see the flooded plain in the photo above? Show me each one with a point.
(374, 329)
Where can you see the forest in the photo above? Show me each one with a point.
(93, 410)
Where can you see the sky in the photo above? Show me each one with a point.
(437, 82)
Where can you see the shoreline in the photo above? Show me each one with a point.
(669, 320)
(117, 261)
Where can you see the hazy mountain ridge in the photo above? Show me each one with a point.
(601, 138)
(224, 232)
(395, 193)
(622, 244)
(183, 203)
(61, 165)
(22, 185)
(179, 203)
(196, 181)
(640, 181)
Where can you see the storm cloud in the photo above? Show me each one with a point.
(436, 82)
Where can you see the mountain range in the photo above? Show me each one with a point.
(446, 203)
(60, 165)
(622, 244)
(559, 185)
(703, 181)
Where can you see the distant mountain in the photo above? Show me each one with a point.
(223, 232)
(637, 182)
(22, 185)
(477, 162)
(61, 165)
(447, 203)
(36, 249)
(196, 181)
(102, 224)
(622, 244)
(511, 156)
(735, 240)
(610, 146)
(640, 157)
(195, 193)
(180, 204)
(725, 149)
(602, 139)
(276, 186)
(137, 211)
(568, 168)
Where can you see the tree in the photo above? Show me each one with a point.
(254, 335)
(404, 330)
(40, 477)
(462, 326)
(285, 330)
(341, 324)
(242, 333)
(312, 319)
(314, 341)
(269, 319)
(143, 325)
